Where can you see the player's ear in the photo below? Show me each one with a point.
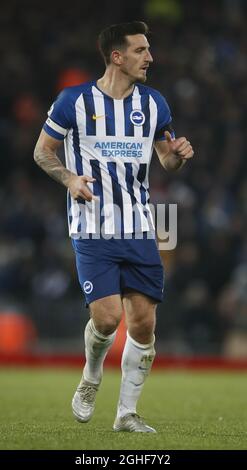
(116, 57)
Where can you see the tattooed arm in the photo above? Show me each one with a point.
(45, 156)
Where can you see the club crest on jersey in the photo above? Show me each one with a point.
(87, 287)
(137, 117)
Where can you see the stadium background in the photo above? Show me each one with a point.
(200, 65)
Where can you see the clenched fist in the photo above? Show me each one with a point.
(180, 147)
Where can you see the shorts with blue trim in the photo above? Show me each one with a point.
(107, 267)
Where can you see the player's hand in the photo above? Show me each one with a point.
(79, 189)
(179, 147)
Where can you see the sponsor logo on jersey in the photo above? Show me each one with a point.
(94, 117)
(119, 149)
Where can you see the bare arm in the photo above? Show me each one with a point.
(173, 153)
(45, 156)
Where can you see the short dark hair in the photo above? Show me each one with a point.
(114, 37)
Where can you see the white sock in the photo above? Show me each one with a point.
(136, 364)
(96, 348)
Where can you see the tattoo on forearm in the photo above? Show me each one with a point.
(50, 163)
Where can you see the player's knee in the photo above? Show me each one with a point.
(146, 323)
(106, 314)
(142, 330)
(107, 324)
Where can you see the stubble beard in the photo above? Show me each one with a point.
(143, 79)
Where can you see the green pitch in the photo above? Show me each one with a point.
(189, 411)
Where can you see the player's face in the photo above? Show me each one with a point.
(136, 58)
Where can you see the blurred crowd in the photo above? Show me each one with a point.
(200, 65)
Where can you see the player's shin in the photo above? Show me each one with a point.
(136, 364)
(96, 348)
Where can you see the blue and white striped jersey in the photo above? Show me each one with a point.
(110, 140)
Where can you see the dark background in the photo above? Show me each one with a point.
(200, 66)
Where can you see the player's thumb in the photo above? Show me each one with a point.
(168, 136)
(88, 179)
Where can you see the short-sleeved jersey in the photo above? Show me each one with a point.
(112, 141)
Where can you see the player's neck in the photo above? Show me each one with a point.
(116, 85)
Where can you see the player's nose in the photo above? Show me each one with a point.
(149, 57)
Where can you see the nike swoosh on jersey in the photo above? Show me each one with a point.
(94, 117)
